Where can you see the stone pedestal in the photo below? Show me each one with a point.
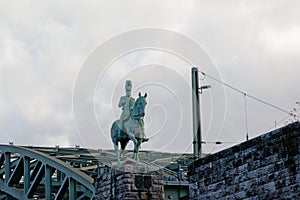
(130, 181)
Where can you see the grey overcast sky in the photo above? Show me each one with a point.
(254, 46)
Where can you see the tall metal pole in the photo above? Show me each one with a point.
(197, 141)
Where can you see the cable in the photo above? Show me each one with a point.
(290, 113)
(246, 117)
(277, 123)
(244, 93)
(219, 142)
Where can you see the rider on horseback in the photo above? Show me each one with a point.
(126, 103)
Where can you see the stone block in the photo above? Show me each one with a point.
(120, 183)
(266, 167)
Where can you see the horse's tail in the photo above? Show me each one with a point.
(114, 130)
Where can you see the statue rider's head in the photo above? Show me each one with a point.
(128, 87)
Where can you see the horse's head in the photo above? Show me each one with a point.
(139, 106)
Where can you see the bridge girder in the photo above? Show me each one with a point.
(26, 173)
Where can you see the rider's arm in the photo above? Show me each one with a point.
(121, 102)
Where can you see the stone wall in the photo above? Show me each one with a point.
(130, 182)
(266, 167)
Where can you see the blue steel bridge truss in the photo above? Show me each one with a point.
(28, 172)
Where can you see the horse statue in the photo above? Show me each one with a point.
(132, 129)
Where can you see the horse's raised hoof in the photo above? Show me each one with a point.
(145, 140)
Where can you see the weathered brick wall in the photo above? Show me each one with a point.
(121, 184)
(266, 167)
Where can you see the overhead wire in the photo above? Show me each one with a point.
(290, 113)
(278, 122)
(248, 95)
(218, 142)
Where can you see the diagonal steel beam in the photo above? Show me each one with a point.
(37, 169)
(1, 159)
(7, 166)
(17, 173)
(12, 191)
(58, 164)
(63, 189)
(36, 182)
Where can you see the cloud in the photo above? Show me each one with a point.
(44, 44)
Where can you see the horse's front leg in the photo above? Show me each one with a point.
(138, 145)
(121, 154)
(135, 148)
(117, 152)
